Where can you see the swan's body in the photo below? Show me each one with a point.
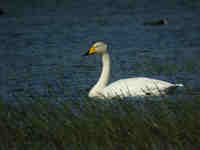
(130, 87)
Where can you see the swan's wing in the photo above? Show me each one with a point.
(135, 87)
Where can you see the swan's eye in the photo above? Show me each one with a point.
(97, 46)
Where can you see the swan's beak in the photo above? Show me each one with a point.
(90, 52)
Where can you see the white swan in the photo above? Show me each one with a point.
(130, 87)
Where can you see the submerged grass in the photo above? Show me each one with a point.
(96, 124)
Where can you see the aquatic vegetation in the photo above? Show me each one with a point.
(97, 124)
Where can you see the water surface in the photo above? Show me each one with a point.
(43, 47)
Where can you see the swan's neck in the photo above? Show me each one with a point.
(104, 77)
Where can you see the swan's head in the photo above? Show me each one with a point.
(97, 48)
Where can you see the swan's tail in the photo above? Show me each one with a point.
(179, 85)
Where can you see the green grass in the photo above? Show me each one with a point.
(86, 124)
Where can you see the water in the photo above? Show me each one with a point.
(42, 47)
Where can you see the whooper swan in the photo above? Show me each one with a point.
(131, 87)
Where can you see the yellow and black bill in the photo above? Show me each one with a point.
(90, 52)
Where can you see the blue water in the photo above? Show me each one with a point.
(42, 44)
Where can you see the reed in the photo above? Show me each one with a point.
(37, 123)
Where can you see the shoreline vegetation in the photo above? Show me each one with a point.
(98, 124)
